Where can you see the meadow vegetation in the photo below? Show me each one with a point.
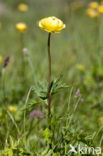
(76, 86)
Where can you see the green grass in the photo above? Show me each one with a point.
(79, 44)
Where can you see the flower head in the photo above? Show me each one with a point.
(22, 7)
(93, 13)
(21, 27)
(100, 9)
(93, 5)
(36, 114)
(80, 67)
(1, 59)
(51, 24)
(25, 52)
(12, 108)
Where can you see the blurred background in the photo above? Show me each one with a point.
(77, 54)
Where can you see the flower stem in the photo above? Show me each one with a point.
(48, 89)
(49, 79)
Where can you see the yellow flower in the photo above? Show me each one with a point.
(80, 67)
(93, 5)
(12, 109)
(1, 59)
(51, 24)
(21, 27)
(100, 9)
(92, 13)
(22, 7)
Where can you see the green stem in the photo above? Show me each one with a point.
(49, 77)
(26, 101)
(48, 89)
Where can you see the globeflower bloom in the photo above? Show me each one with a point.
(80, 67)
(21, 27)
(22, 7)
(93, 5)
(12, 109)
(51, 24)
(100, 9)
(92, 13)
